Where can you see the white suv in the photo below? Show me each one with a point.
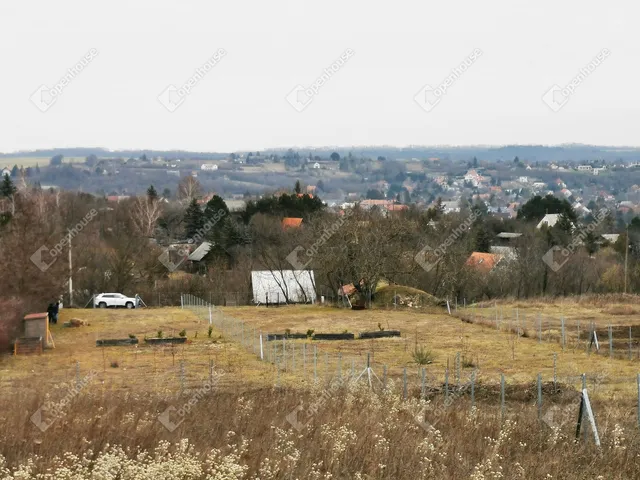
(105, 300)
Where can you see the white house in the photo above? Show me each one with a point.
(209, 167)
(550, 219)
(585, 168)
(316, 165)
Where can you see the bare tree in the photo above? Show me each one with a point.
(188, 189)
(145, 214)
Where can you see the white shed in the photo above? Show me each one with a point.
(283, 286)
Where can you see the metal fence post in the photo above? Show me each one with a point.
(404, 381)
(384, 377)
(315, 362)
(502, 396)
(181, 376)
(539, 328)
(446, 385)
(610, 342)
(638, 382)
(539, 396)
(473, 387)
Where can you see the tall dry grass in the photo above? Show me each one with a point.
(355, 433)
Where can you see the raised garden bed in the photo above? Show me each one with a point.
(116, 342)
(168, 340)
(380, 334)
(333, 336)
(280, 336)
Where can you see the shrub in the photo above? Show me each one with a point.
(422, 356)
(183, 333)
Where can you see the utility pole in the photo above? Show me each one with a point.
(71, 271)
(626, 260)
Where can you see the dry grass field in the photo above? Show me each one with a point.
(241, 426)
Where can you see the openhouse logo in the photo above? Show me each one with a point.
(172, 97)
(301, 97)
(45, 97)
(557, 97)
(429, 97)
(38, 257)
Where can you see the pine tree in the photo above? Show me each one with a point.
(15, 171)
(7, 188)
(298, 187)
(194, 220)
(482, 240)
(37, 169)
(151, 193)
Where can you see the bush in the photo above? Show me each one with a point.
(183, 333)
(422, 356)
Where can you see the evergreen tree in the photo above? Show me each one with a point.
(216, 208)
(298, 187)
(194, 220)
(37, 169)
(15, 171)
(7, 188)
(482, 239)
(166, 193)
(151, 193)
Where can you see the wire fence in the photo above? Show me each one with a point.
(593, 337)
(284, 360)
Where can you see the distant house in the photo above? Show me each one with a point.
(451, 206)
(175, 173)
(209, 167)
(6, 172)
(473, 177)
(507, 253)
(117, 198)
(483, 262)
(370, 203)
(396, 208)
(611, 237)
(566, 192)
(585, 168)
(509, 235)
(199, 253)
(235, 205)
(316, 165)
(291, 222)
(523, 179)
(549, 220)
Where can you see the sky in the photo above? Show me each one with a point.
(399, 73)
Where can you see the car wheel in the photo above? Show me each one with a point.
(102, 305)
(129, 305)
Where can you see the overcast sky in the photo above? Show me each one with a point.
(375, 97)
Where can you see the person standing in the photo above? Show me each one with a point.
(56, 309)
(50, 312)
